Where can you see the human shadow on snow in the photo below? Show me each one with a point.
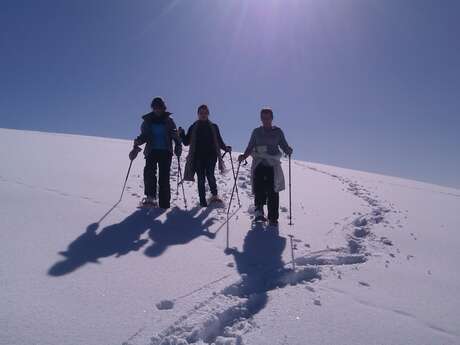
(180, 227)
(119, 239)
(262, 269)
(260, 265)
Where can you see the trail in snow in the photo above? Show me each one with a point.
(227, 315)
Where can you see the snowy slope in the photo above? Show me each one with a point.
(376, 257)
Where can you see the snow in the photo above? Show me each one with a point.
(375, 257)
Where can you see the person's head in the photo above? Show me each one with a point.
(266, 116)
(158, 105)
(203, 112)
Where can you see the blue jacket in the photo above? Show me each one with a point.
(147, 135)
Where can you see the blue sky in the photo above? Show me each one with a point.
(366, 84)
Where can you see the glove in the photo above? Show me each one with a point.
(289, 151)
(241, 158)
(180, 131)
(178, 150)
(228, 149)
(137, 142)
(134, 152)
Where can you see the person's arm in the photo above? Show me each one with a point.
(283, 144)
(249, 148)
(140, 140)
(186, 137)
(175, 137)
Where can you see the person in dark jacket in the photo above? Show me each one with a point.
(205, 142)
(158, 132)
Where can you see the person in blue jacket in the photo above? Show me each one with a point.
(158, 132)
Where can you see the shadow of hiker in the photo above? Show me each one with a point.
(180, 227)
(261, 267)
(114, 240)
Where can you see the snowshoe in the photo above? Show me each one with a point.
(215, 200)
(259, 217)
(148, 202)
(273, 223)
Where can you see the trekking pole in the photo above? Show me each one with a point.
(234, 188)
(292, 252)
(178, 180)
(181, 181)
(234, 177)
(126, 180)
(290, 193)
(230, 203)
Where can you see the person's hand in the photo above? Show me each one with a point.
(137, 142)
(289, 151)
(228, 149)
(134, 152)
(180, 131)
(241, 158)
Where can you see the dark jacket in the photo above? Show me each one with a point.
(146, 136)
(204, 146)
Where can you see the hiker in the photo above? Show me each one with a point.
(267, 174)
(158, 131)
(205, 142)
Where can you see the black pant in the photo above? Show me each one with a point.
(162, 159)
(264, 180)
(204, 168)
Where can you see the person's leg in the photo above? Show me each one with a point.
(150, 176)
(164, 168)
(272, 196)
(201, 178)
(210, 169)
(259, 188)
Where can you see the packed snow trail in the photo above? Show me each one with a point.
(222, 319)
(376, 256)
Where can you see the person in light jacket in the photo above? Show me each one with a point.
(267, 174)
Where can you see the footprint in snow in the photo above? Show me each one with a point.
(317, 302)
(165, 305)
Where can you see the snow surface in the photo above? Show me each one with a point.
(375, 257)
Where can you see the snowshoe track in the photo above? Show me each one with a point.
(226, 316)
